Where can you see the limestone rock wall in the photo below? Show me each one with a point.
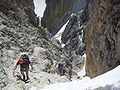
(73, 37)
(19, 34)
(103, 36)
(54, 13)
(24, 13)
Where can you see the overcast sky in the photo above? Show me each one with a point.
(39, 7)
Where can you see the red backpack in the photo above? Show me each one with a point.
(21, 60)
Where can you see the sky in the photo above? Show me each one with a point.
(39, 7)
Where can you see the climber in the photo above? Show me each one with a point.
(61, 69)
(24, 66)
(69, 71)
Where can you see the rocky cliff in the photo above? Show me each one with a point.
(54, 13)
(103, 36)
(73, 37)
(102, 33)
(19, 34)
(24, 11)
(57, 13)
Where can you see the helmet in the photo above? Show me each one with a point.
(21, 60)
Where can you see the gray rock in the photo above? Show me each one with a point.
(73, 36)
(103, 37)
(54, 13)
(19, 33)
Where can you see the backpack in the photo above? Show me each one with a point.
(26, 60)
(61, 65)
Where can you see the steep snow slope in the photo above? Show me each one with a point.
(59, 34)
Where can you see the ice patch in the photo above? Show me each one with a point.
(59, 34)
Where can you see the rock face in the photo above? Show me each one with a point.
(79, 5)
(54, 13)
(19, 34)
(24, 11)
(72, 37)
(103, 37)
(59, 11)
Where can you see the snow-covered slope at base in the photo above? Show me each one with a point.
(107, 81)
(59, 34)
